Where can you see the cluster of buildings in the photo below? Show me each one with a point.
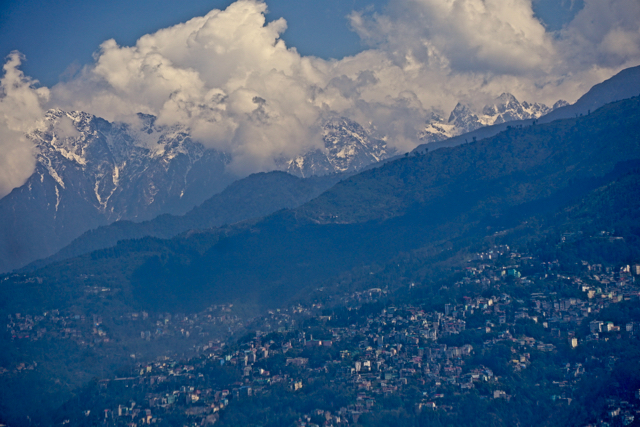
(396, 350)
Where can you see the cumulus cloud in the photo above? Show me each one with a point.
(604, 33)
(20, 111)
(226, 75)
(65, 129)
(472, 50)
(231, 79)
(497, 36)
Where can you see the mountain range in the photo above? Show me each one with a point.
(621, 86)
(414, 202)
(319, 236)
(462, 120)
(90, 173)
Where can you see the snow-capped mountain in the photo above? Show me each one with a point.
(348, 147)
(463, 119)
(507, 108)
(90, 172)
(125, 171)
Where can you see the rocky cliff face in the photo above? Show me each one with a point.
(125, 171)
(348, 147)
(90, 172)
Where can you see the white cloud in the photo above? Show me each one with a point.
(604, 33)
(231, 79)
(424, 54)
(20, 110)
(206, 74)
(65, 129)
(497, 36)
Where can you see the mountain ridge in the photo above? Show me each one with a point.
(256, 196)
(462, 119)
(624, 85)
(405, 204)
(106, 172)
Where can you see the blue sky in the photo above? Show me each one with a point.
(54, 34)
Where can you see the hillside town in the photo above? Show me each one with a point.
(370, 347)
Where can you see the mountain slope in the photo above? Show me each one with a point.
(407, 204)
(90, 172)
(252, 197)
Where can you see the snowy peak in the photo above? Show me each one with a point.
(559, 104)
(347, 147)
(350, 146)
(507, 108)
(463, 119)
(123, 171)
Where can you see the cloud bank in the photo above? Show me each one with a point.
(20, 111)
(231, 79)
